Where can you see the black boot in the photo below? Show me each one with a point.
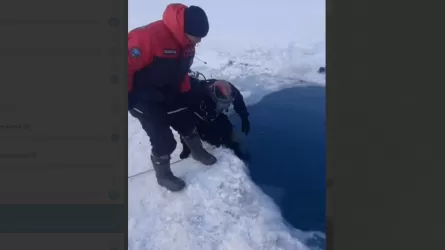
(185, 150)
(164, 174)
(198, 152)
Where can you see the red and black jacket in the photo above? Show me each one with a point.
(159, 58)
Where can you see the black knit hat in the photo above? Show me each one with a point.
(196, 22)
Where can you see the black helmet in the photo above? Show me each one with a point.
(222, 95)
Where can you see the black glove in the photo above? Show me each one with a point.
(245, 125)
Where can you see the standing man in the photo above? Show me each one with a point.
(159, 58)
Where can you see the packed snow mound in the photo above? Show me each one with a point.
(221, 208)
(276, 66)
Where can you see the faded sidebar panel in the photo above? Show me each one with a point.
(63, 123)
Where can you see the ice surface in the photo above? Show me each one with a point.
(261, 47)
(220, 209)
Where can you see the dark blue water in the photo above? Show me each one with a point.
(287, 147)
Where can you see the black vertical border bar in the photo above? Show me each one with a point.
(124, 47)
(330, 76)
(385, 125)
(348, 82)
(119, 19)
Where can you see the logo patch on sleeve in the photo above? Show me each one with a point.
(169, 52)
(135, 52)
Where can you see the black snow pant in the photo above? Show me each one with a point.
(157, 118)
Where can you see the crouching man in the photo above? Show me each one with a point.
(208, 100)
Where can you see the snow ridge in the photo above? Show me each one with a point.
(220, 209)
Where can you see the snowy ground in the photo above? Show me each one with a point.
(261, 47)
